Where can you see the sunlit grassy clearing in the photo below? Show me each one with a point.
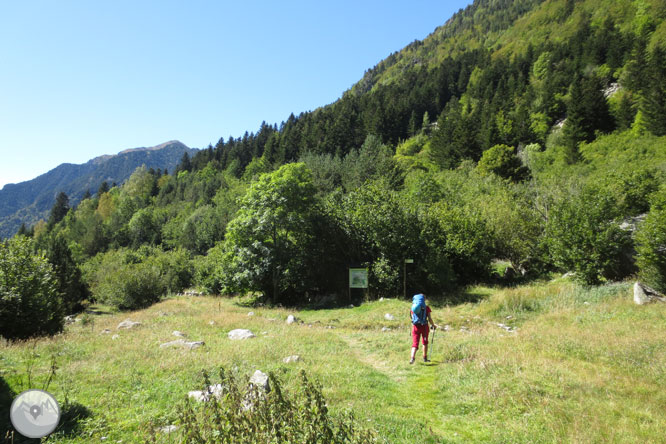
(583, 365)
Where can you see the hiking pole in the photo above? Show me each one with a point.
(432, 342)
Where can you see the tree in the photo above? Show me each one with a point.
(653, 104)
(29, 302)
(67, 273)
(103, 188)
(59, 209)
(267, 241)
(502, 161)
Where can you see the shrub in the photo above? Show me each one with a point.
(651, 240)
(584, 236)
(29, 301)
(277, 416)
(125, 279)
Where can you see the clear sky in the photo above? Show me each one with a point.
(79, 79)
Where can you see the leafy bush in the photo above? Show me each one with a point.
(584, 236)
(651, 240)
(130, 279)
(29, 301)
(249, 417)
(502, 161)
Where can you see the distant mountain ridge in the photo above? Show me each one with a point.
(29, 201)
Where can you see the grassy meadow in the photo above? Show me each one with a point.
(582, 365)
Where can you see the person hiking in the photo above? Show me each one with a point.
(420, 314)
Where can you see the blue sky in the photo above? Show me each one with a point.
(84, 78)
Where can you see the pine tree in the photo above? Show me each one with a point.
(59, 209)
(103, 188)
(653, 103)
(69, 282)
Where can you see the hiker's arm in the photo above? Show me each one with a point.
(432, 324)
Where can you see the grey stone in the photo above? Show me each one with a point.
(240, 333)
(183, 343)
(168, 429)
(386, 329)
(70, 319)
(251, 313)
(291, 319)
(260, 380)
(114, 337)
(292, 358)
(645, 295)
(180, 334)
(205, 395)
(127, 324)
(106, 331)
(389, 317)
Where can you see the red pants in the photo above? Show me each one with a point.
(422, 331)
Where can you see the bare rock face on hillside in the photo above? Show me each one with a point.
(645, 295)
(127, 324)
(240, 333)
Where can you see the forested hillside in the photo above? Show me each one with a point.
(27, 202)
(521, 138)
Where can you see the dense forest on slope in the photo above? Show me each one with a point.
(527, 134)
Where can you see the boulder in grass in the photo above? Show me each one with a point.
(168, 429)
(291, 319)
(240, 333)
(205, 395)
(645, 295)
(389, 317)
(290, 359)
(183, 343)
(260, 380)
(180, 334)
(127, 324)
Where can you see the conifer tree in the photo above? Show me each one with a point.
(59, 209)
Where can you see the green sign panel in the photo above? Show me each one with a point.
(358, 278)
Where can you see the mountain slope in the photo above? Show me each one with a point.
(29, 201)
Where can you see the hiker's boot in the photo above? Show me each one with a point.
(425, 359)
(411, 361)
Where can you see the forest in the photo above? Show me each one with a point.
(483, 156)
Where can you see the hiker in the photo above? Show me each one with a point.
(420, 314)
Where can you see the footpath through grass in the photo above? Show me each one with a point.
(579, 365)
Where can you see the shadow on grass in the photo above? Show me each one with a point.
(70, 418)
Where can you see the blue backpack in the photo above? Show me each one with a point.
(419, 311)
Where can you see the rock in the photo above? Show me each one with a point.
(168, 429)
(106, 331)
(351, 305)
(291, 319)
(251, 313)
(386, 329)
(127, 324)
(631, 224)
(645, 295)
(612, 89)
(211, 323)
(381, 299)
(568, 275)
(240, 333)
(506, 327)
(70, 319)
(447, 328)
(213, 390)
(290, 359)
(114, 337)
(389, 317)
(260, 380)
(180, 334)
(183, 343)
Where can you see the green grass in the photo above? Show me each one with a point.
(584, 365)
